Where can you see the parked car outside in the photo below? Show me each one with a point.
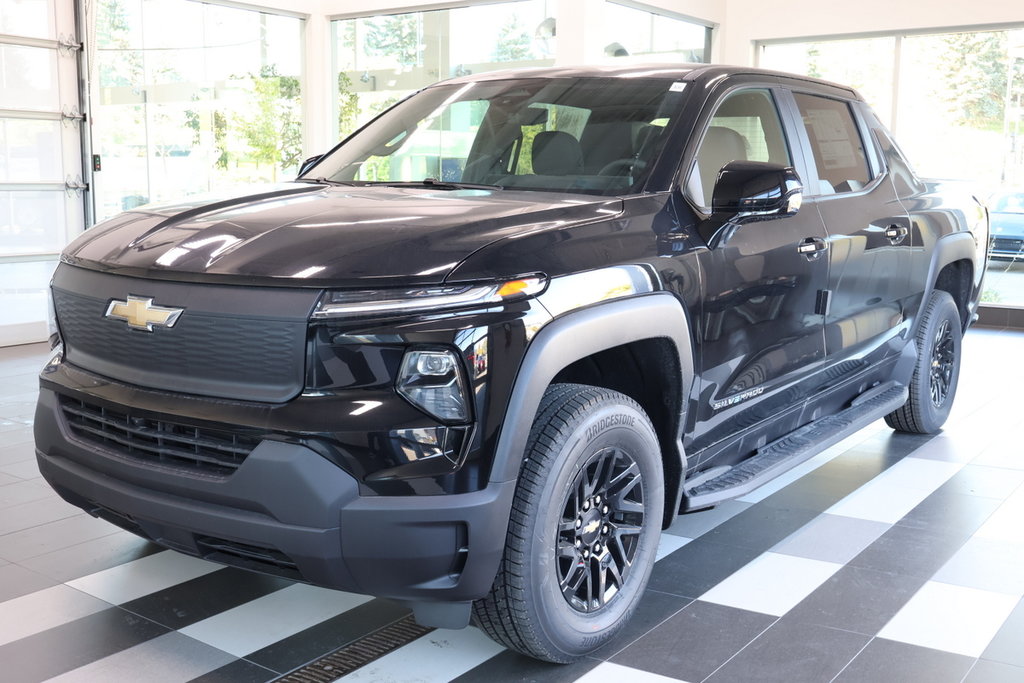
(1007, 216)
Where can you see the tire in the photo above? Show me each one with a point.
(588, 505)
(937, 371)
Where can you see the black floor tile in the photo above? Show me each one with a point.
(699, 566)
(654, 608)
(793, 651)
(760, 527)
(695, 642)
(328, 636)
(910, 551)
(512, 666)
(238, 671)
(818, 491)
(1008, 644)
(856, 599)
(985, 671)
(69, 646)
(947, 512)
(893, 662)
(203, 597)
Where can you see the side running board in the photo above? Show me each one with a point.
(796, 447)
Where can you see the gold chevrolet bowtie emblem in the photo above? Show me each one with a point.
(140, 313)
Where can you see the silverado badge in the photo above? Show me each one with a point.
(140, 313)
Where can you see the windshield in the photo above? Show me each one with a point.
(1009, 203)
(590, 135)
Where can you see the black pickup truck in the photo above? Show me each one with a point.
(476, 357)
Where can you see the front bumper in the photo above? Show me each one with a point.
(287, 510)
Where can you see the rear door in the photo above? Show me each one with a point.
(869, 236)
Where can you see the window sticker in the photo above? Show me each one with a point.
(835, 146)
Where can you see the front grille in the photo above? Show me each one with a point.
(209, 451)
(239, 343)
(1007, 245)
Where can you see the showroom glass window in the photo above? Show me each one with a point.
(379, 60)
(632, 32)
(941, 94)
(40, 158)
(192, 98)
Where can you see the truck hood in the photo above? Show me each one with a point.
(315, 235)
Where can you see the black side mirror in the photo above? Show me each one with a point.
(756, 190)
(309, 163)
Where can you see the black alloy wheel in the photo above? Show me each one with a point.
(937, 370)
(599, 533)
(584, 527)
(943, 364)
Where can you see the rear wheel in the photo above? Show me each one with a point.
(933, 386)
(583, 530)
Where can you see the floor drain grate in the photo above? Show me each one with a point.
(358, 653)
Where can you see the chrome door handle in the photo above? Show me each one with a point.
(812, 247)
(896, 233)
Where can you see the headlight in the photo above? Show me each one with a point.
(346, 303)
(432, 381)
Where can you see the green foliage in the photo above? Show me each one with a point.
(220, 138)
(975, 73)
(812, 60)
(348, 106)
(397, 35)
(514, 42)
(274, 130)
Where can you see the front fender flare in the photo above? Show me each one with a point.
(577, 335)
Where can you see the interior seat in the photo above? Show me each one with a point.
(556, 152)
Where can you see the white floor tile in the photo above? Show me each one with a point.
(668, 544)
(143, 576)
(897, 491)
(950, 618)
(772, 583)
(606, 672)
(439, 657)
(45, 609)
(168, 659)
(1007, 523)
(986, 564)
(259, 623)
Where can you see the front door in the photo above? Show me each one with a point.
(761, 328)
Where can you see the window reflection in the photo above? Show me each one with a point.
(192, 98)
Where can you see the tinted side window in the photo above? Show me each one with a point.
(835, 142)
(745, 127)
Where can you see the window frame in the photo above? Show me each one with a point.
(809, 175)
(783, 109)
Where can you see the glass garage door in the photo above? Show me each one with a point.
(41, 187)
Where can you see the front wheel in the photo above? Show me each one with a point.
(584, 527)
(937, 371)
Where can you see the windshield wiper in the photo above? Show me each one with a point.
(436, 184)
(324, 181)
